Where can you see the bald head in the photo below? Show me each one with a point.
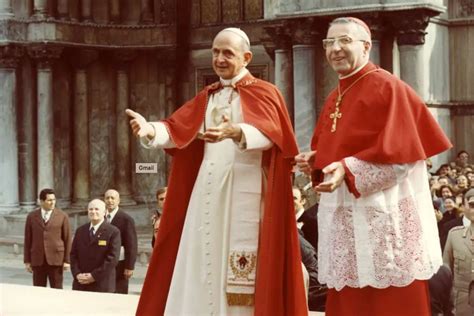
(96, 211)
(112, 200)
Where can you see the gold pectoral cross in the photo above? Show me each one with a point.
(336, 115)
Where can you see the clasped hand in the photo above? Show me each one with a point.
(224, 130)
(85, 278)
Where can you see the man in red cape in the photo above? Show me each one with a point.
(378, 239)
(227, 243)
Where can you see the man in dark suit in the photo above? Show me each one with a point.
(47, 242)
(307, 219)
(128, 234)
(95, 252)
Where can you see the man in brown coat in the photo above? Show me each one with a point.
(47, 242)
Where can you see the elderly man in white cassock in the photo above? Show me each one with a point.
(227, 243)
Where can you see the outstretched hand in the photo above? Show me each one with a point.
(224, 130)
(140, 126)
(337, 172)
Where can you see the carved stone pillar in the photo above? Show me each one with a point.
(146, 15)
(63, 9)
(81, 161)
(304, 83)
(282, 39)
(114, 11)
(410, 38)
(376, 28)
(27, 138)
(123, 165)
(9, 188)
(40, 9)
(6, 10)
(86, 10)
(45, 56)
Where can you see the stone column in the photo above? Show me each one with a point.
(123, 165)
(281, 37)
(9, 193)
(45, 56)
(86, 10)
(146, 15)
(304, 83)
(27, 138)
(410, 40)
(6, 10)
(40, 9)
(80, 126)
(376, 29)
(114, 11)
(63, 9)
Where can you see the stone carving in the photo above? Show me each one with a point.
(10, 56)
(45, 55)
(465, 8)
(410, 29)
(13, 30)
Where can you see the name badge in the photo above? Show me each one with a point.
(102, 242)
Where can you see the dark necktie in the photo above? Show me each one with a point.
(109, 218)
(91, 232)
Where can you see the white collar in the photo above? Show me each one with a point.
(96, 227)
(299, 213)
(236, 79)
(466, 222)
(354, 72)
(43, 211)
(112, 214)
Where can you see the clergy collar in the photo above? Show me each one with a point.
(233, 81)
(299, 213)
(355, 71)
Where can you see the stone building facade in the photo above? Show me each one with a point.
(69, 69)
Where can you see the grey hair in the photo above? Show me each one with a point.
(360, 29)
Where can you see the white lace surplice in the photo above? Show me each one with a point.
(386, 237)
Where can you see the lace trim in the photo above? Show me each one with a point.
(370, 177)
(393, 256)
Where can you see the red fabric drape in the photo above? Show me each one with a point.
(279, 284)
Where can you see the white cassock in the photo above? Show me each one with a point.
(386, 237)
(230, 180)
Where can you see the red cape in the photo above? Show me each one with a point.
(383, 121)
(279, 284)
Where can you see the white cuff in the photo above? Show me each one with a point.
(161, 140)
(253, 139)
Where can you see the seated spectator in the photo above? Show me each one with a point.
(440, 286)
(309, 257)
(156, 218)
(462, 184)
(95, 252)
(307, 220)
(462, 159)
(458, 255)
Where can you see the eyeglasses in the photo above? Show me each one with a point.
(342, 41)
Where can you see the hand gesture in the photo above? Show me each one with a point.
(127, 273)
(140, 126)
(224, 130)
(66, 266)
(304, 161)
(337, 172)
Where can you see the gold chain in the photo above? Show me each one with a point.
(337, 114)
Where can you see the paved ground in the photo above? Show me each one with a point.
(12, 271)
